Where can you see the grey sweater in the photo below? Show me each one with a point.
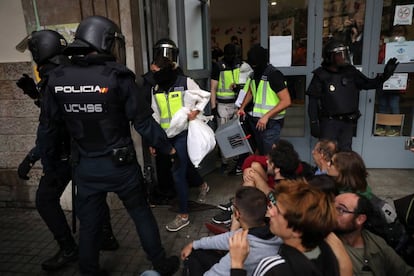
(261, 246)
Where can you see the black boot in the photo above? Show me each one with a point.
(167, 266)
(109, 242)
(67, 253)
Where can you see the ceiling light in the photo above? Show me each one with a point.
(273, 3)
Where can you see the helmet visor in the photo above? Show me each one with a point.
(167, 51)
(24, 44)
(340, 56)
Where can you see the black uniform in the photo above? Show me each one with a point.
(334, 100)
(98, 98)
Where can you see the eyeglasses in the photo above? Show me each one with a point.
(341, 211)
(272, 201)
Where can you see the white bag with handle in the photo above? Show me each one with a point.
(200, 139)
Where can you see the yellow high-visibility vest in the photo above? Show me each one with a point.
(227, 77)
(168, 104)
(264, 98)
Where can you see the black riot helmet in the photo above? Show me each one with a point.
(98, 33)
(165, 47)
(46, 46)
(336, 53)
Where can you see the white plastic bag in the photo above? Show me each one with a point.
(179, 122)
(200, 140)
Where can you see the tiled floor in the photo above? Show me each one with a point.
(25, 241)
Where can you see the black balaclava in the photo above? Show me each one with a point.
(257, 57)
(167, 74)
(229, 54)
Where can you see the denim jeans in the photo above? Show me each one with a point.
(389, 103)
(180, 174)
(265, 139)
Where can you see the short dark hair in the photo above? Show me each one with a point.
(325, 183)
(252, 204)
(286, 159)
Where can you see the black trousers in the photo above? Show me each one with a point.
(338, 130)
(201, 261)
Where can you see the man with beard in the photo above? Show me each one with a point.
(370, 254)
(267, 90)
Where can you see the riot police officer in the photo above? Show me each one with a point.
(334, 94)
(46, 48)
(97, 97)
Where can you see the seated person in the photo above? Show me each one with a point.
(282, 163)
(302, 216)
(250, 205)
(370, 254)
(322, 153)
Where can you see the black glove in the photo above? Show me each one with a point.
(28, 86)
(389, 68)
(175, 161)
(214, 112)
(25, 167)
(315, 129)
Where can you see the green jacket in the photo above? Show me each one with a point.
(377, 258)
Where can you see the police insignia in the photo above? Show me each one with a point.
(331, 88)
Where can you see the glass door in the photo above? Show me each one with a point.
(392, 36)
(287, 30)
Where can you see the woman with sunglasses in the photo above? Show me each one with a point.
(303, 216)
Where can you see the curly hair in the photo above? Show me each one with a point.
(286, 159)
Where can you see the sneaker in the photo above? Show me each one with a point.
(177, 224)
(226, 206)
(203, 192)
(223, 217)
(61, 258)
(392, 132)
(379, 131)
(167, 266)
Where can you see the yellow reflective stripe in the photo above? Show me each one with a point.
(168, 105)
(265, 99)
(227, 77)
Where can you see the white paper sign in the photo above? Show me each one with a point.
(397, 81)
(280, 50)
(403, 15)
(403, 51)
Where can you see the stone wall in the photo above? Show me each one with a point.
(18, 124)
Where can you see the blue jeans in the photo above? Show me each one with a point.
(95, 177)
(265, 139)
(389, 103)
(180, 174)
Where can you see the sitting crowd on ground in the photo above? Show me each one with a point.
(325, 223)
